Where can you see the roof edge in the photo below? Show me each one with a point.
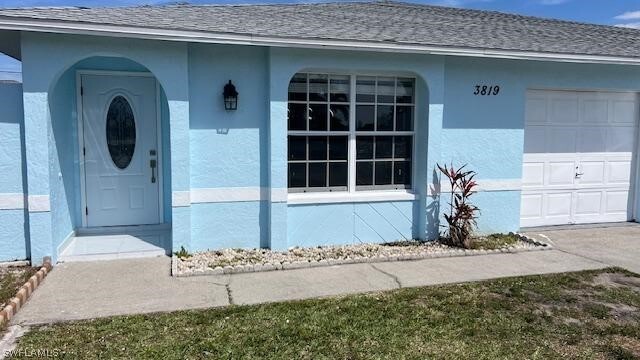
(80, 28)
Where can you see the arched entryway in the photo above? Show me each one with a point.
(109, 125)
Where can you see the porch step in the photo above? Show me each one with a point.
(129, 229)
(116, 246)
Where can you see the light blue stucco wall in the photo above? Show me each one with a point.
(351, 223)
(228, 225)
(13, 242)
(361, 221)
(228, 148)
(212, 151)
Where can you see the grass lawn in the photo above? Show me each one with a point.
(11, 279)
(585, 315)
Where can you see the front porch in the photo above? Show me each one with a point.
(98, 133)
(116, 243)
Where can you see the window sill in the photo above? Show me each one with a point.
(346, 197)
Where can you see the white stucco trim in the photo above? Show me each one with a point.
(483, 185)
(67, 27)
(256, 193)
(181, 198)
(231, 194)
(346, 197)
(11, 201)
(39, 203)
(279, 194)
(228, 194)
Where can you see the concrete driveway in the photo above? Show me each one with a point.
(614, 245)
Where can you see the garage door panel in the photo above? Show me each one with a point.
(561, 139)
(592, 139)
(564, 109)
(533, 174)
(535, 208)
(535, 139)
(588, 203)
(624, 111)
(593, 172)
(595, 111)
(619, 173)
(558, 205)
(537, 110)
(560, 173)
(620, 139)
(531, 206)
(582, 173)
(617, 202)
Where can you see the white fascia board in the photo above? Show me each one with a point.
(66, 27)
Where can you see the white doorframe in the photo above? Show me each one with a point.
(79, 109)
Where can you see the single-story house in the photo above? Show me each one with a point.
(307, 124)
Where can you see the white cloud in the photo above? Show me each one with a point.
(633, 25)
(629, 15)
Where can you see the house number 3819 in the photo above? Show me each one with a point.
(486, 90)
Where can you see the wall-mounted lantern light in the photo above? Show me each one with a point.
(230, 97)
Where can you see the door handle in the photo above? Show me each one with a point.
(153, 164)
(578, 175)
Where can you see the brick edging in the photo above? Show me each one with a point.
(25, 292)
(454, 252)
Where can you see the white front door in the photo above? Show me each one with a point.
(120, 150)
(578, 152)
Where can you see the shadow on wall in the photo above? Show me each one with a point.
(25, 185)
(433, 207)
(15, 226)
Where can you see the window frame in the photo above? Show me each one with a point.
(317, 194)
(319, 133)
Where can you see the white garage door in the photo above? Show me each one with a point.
(578, 153)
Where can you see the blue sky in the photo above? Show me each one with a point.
(610, 12)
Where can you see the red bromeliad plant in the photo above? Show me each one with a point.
(461, 220)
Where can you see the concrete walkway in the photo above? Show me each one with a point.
(97, 289)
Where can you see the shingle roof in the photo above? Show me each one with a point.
(373, 22)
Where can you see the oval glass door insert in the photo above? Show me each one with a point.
(121, 132)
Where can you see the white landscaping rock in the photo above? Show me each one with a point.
(230, 261)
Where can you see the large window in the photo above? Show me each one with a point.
(339, 141)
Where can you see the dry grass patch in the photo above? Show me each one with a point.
(11, 279)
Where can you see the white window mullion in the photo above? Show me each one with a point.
(352, 134)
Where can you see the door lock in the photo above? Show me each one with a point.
(153, 164)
